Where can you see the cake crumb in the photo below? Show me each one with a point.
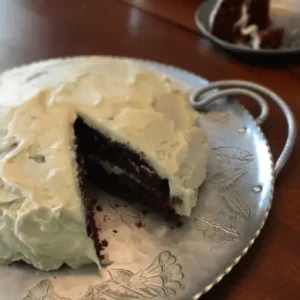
(139, 224)
(115, 231)
(117, 205)
(105, 261)
(99, 208)
(104, 243)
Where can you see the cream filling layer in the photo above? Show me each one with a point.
(113, 169)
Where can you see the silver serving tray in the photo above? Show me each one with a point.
(284, 13)
(159, 262)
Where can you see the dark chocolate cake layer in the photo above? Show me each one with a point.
(137, 181)
(127, 188)
(259, 13)
(88, 202)
(98, 145)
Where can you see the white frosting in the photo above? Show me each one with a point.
(41, 216)
(252, 31)
(111, 169)
(249, 29)
(244, 20)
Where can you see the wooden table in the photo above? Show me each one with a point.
(163, 30)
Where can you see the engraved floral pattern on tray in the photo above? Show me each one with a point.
(234, 165)
(163, 278)
(43, 291)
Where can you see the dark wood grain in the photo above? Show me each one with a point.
(179, 12)
(33, 29)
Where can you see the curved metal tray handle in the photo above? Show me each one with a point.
(220, 89)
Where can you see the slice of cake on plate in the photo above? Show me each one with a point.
(245, 22)
(116, 123)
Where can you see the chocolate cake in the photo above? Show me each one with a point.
(245, 22)
(114, 123)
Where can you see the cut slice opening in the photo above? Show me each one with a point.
(119, 171)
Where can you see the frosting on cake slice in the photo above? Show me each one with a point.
(117, 123)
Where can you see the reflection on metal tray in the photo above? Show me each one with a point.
(284, 13)
(159, 262)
